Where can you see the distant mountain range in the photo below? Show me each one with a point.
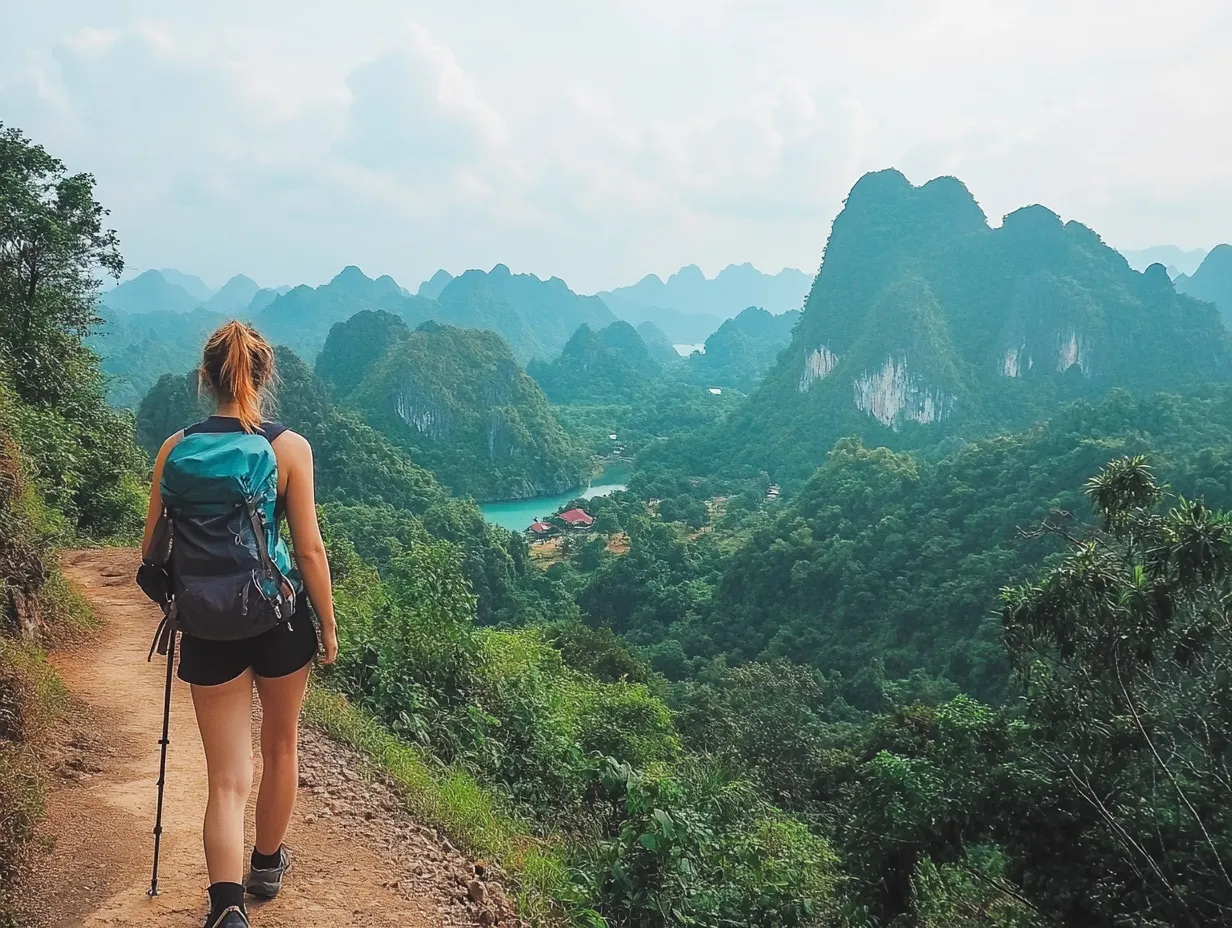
(926, 325)
(536, 317)
(689, 306)
(431, 288)
(155, 323)
(191, 284)
(235, 296)
(169, 290)
(302, 317)
(152, 292)
(1212, 281)
(1176, 260)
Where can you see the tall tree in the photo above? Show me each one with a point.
(1124, 654)
(52, 247)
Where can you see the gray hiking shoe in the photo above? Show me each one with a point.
(266, 883)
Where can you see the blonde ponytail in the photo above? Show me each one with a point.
(238, 366)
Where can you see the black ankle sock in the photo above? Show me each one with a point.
(266, 861)
(225, 895)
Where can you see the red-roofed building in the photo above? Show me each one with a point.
(541, 528)
(577, 518)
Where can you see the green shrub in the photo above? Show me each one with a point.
(697, 846)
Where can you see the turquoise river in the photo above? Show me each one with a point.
(517, 514)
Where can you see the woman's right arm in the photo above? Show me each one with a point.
(301, 506)
(155, 509)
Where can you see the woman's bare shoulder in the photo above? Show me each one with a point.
(170, 443)
(292, 447)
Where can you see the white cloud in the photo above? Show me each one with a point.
(599, 142)
(414, 108)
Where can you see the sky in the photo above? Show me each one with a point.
(600, 142)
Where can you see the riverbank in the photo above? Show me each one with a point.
(517, 515)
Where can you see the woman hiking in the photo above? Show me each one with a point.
(220, 489)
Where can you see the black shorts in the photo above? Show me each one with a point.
(282, 650)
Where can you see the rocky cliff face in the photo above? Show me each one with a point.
(925, 322)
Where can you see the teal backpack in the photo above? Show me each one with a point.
(230, 573)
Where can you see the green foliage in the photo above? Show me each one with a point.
(1123, 653)
(676, 407)
(36, 605)
(782, 724)
(743, 349)
(52, 242)
(500, 703)
(929, 784)
(888, 564)
(597, 652)
(698, 847)
(972, 893)
(663, 584)
(458, 402)
(612, 365)
(137, 349)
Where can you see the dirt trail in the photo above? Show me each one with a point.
(358, 860)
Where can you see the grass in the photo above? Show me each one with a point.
(454, 802)
(31, 697)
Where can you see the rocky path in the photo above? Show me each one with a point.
(359, 860)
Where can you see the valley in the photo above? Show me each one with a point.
(857, 600)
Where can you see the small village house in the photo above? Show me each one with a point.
(577, 518)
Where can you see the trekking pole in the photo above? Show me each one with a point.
(162, 764)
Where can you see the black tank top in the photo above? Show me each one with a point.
(215, 424)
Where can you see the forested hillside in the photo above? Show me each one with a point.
(744, 348)
(926, 324)
(457, 401)
(612, 365)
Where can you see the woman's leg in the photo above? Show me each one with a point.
(224, 715)
(281, 698)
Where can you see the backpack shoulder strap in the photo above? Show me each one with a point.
(284, 604)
